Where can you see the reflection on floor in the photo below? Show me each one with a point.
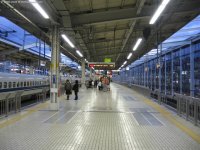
(114, 120)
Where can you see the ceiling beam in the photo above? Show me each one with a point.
(107, 48)
(104, 41)
(107, 30)
(126, 14)
(111, 15)
(128, 34)
(109, 54)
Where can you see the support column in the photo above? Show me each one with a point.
(31, 71)
(181, 68)
(83, 73)
(191, 71)
(165, 76)
(172, 74)
(160, 75)
(55, 58)
(90, 73)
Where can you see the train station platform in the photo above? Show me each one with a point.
(120, 119)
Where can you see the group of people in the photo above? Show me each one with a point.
(102, 84)
(69, 88)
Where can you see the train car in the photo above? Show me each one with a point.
(29, 84)
(13, 82)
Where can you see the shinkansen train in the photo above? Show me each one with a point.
(13, 82)
(10, 82)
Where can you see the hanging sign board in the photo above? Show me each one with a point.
(107, 60)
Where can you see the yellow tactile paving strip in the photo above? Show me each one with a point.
(98, 121)
(19, 117)
(169, 117)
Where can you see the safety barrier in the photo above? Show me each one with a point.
(10, 102)
(189, 107)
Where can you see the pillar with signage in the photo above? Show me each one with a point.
(83, 73)
(55, 59)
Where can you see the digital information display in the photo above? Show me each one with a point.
(102, 65)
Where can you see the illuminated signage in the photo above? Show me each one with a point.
(107, 60)
(101, 65)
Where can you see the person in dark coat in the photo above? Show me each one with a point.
(75, 88)
(68, 88)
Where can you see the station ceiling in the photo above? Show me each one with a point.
(104, 28)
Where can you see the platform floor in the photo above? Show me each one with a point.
(117, 120)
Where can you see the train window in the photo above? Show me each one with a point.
(0, 85)
(21, 84)
(24, 83)
(17, 84)
(14, 84)
(9, 84)
(27, 83)
(30, 83)
(5, 85)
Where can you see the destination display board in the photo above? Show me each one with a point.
(101, 65)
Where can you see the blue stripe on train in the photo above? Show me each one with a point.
(22, 88)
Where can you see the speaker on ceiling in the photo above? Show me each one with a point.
(146, 33)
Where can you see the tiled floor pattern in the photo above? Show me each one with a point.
(115, 120)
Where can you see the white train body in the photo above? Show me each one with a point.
(29, 84)
(20, 81)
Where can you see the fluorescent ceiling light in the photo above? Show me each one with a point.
(129, 56)
(137, 44)
(127, 68)
(159, 11)
(125, 63)
(67, 40)
(39, 8)
(79, 53)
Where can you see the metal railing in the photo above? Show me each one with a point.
(10, 102)
(189, 107)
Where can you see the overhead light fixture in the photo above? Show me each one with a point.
(39, 8)
(127, 68)
(79, 53)
(86, 61)
(129, 56)
(159, 11)
(67, 40)
(125, 63)
(137, 44)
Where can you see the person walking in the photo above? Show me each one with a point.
(100, 85)
(75, 88)
(68, 88)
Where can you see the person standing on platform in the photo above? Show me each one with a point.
(68, 88)
(75, 88)
(99, 85)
